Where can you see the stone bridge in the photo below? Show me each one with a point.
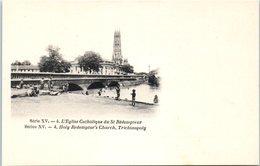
(76, 81)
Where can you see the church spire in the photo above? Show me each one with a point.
(117, 53)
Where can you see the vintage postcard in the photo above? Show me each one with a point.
(93, 82)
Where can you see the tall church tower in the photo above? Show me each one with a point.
(117, 54)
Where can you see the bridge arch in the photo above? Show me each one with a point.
(96, 85)
(113, 84)
(74, 87)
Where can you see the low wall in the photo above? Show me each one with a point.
(84, 83)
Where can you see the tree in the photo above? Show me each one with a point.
(90, 61)
(127, 68)
(54, 62)
(26, 62)
(153, 80)
(16, 63)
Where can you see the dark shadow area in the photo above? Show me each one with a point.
(74, 87)
(96, 85)
(113, 84)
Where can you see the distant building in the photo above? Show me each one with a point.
(75, 68)
(24, 68)
(107, 67)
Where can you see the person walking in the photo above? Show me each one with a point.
(133, 97)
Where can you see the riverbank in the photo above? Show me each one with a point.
(71, 104)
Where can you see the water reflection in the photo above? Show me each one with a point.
(144, 92)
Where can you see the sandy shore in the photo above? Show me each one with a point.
(71, 104)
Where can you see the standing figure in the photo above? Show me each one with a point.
(50, 84)
(133, 97)
(36, 90)
(117, 93)
(20, 86)
(42, 83)
(63, 88)
(155, 99)
(67, 87)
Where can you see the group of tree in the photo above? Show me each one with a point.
(153, 78)
(26, 62)
(90, 61)
(127, 68)
(54, 62)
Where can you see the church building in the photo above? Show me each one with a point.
(107, 67)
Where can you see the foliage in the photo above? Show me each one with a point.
(54, 62)
(26, 62)
(17, 63)
(90, 61)
(153, 80)
(127, 68)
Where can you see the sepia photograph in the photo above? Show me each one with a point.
(87, 84)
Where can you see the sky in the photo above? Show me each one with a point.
(79, 26)
(164, 34)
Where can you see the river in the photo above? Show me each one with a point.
(144, 92)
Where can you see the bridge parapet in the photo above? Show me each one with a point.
(39, 75)
(80, 79)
